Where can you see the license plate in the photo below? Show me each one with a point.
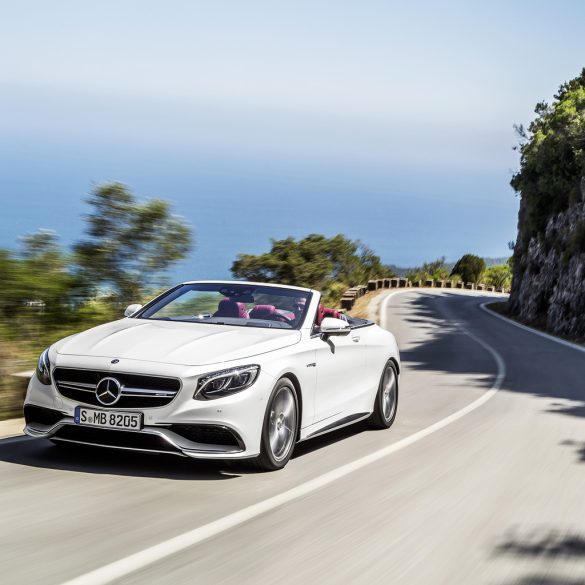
(109, 419)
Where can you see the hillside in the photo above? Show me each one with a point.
(548, 286)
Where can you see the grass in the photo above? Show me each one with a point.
(360, 309)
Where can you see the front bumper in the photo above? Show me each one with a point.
(225, 428)
(198, 441)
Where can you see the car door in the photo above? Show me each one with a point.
(340, 364)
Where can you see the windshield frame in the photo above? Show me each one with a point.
(257, 323)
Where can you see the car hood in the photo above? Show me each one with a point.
(192, 344)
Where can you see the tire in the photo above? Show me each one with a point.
(386, 403)
(279, 428)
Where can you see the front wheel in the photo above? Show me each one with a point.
(386, 402)
(279, 430)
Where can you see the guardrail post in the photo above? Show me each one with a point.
(347, 303)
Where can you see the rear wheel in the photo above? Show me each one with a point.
(386, 402)
(279, 430)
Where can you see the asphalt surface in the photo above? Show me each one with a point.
(480, 480)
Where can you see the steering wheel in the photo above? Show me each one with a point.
(284, 318)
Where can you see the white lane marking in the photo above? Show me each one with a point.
(564, 342)
(153, 554)
(384, 307)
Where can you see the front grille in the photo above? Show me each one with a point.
(112, 438)
(43, 416)
(138, 390)
(209, 434)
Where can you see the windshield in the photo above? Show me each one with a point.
(231, 304)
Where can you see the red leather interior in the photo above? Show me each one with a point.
(320, 315)
(331, 313)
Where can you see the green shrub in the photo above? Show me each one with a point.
(469, 267)
(552, 159)
(499, 276)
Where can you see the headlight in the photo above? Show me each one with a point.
(225, 382)
(44, 368)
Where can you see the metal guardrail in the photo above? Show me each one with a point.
(351, 295)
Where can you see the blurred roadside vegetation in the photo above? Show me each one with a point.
(47, 292)
(436, 270)
(469, 268)
(330, 265)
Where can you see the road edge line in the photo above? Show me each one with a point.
(576, 346)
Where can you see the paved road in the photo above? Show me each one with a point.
(494, 494)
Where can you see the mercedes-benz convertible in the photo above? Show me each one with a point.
(216, 370)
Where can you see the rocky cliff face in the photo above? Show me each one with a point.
(548, 288)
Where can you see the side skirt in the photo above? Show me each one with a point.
(344, 422)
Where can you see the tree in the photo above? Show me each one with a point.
(469, 267)
(314, 261)
(35, 277)
(436, 270)
(130, 244)
(552, 159)
(499, 276)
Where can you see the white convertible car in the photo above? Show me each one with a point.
(216, 370)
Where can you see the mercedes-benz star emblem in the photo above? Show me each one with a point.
(108, 391)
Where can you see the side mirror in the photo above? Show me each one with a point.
(332, 326)
(131, 309)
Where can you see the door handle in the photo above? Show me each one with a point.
(355, 339)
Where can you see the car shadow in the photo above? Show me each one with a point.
(42, 454)
(327, 439)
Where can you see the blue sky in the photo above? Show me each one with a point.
(389, 122)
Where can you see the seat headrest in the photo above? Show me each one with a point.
(243, 313)
(227, 308)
